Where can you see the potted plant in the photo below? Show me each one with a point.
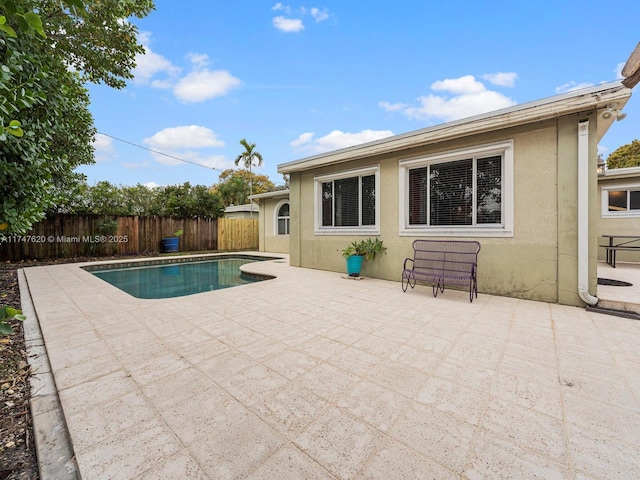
(170, 244)
(360, 250)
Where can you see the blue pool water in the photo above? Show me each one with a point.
(167, 280)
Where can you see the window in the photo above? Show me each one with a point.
(282, 218)
(459, 193)
(347, 202)
(621, 200)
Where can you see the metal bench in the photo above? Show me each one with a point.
(443, 262)
(614, 246)
(611, 252)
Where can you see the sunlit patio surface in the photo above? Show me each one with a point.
(314, 376)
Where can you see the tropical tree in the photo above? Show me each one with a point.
(105, 198)
(139, 199)
(625, 156)
(234, 191)
(48, 49)
(248, 157)
(187, 201)
(234, 186)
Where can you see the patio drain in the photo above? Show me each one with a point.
(613, 283)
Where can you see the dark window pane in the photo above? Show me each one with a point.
(327, 204)
(452, 193)
(634, 200)
(418, 187)
(346, 202)
(369, 200)
(283, 226)
(489, 190)
(283, 211)
(617, 200)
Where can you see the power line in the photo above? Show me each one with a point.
(159, 153)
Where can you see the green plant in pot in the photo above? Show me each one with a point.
(170, 244)
(360, 250)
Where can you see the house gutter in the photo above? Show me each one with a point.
(583, 214)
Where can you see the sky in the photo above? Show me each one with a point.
(299, 79)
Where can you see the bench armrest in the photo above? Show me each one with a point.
(405, 263)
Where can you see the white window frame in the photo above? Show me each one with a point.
(361, 230)
(505, 229)
(605, 200)
(276, 217)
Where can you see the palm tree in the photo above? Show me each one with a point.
(247, 157)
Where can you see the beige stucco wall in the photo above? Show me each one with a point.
(617, 226)
(269, 241)
(539, 262)
(522, 266)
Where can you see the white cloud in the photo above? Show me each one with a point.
(461, 106)
(280, 6)
(205, 84)
(151, 185)
(288, 24)
(150, 64)
(199, 60)
(292, 22)
(618, 70)
(502, 79)
(392, 107)
(319, 15)
(103, 146)
(336, 140)
(197, 86)
(191, 136)
(302, 139)
(572, 86)
(463, 85)
(176, 145)
(462, 97)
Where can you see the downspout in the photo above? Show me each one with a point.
(583, 214)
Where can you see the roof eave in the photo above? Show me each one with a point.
(627, 172)
(273, 194)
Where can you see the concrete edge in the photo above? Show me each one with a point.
(54, 450)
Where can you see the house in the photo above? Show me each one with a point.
(522, 181)
(619, 201)
(242, 211)
(274, 223)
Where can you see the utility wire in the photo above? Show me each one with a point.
(159, 153)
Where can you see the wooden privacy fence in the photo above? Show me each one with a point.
(68, 236)
(237, 234)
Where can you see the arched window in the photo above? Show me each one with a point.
(282, 219)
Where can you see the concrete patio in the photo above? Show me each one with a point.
(313, 376)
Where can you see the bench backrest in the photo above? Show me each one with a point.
(452, 256)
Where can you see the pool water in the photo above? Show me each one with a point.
(168, 280)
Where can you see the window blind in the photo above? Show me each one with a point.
(451, 193)
(489, 190)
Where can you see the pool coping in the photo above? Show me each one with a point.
(118, 264)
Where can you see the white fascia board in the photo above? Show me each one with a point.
(620, 173)
(274, 194)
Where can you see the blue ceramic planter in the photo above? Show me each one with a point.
(170, 244)
(354, 265)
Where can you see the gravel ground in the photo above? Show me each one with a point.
(17, 448)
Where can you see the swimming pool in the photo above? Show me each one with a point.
(178, 277)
